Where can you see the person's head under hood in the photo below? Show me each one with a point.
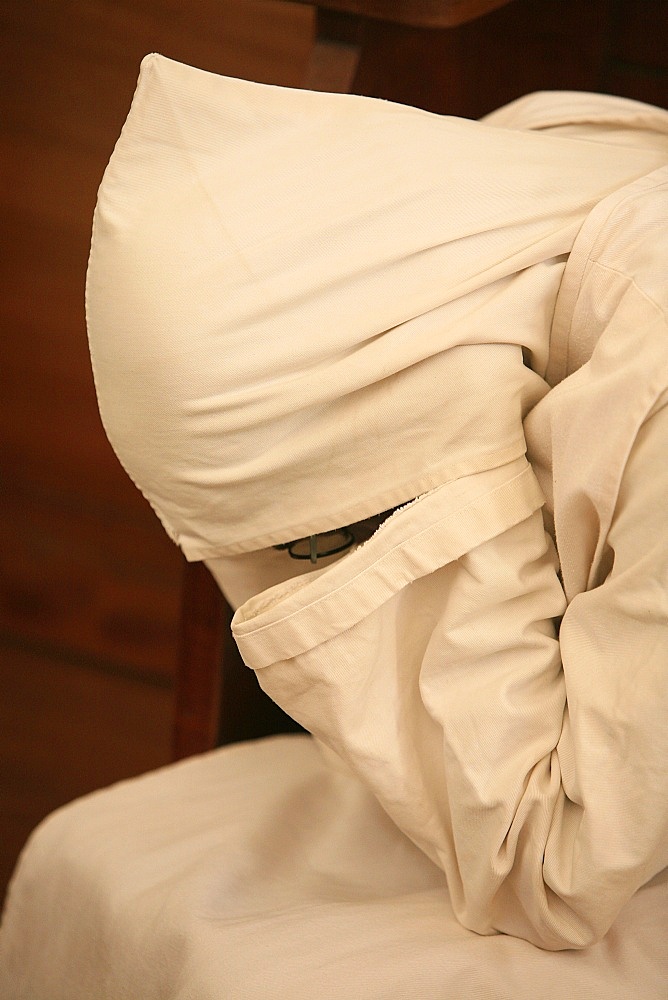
(307, 309)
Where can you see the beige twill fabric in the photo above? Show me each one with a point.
(306, 278)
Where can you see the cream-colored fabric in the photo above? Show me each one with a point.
(614, 121)
(258, 872)
(486, 674)
(533, 771)
(281, 282)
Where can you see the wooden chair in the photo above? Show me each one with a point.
(218, 699)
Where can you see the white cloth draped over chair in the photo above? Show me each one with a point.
(305, 309)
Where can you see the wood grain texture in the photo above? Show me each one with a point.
(89, 584)
(417, 13)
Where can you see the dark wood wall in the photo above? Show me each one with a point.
(613, 46)
(89, 585)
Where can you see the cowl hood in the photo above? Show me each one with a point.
(295, 298)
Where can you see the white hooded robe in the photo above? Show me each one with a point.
(305, 309)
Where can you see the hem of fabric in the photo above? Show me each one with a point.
(442, 475)
(267, 631)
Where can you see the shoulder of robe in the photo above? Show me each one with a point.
(618, 258)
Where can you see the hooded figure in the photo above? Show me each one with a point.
(306, 310)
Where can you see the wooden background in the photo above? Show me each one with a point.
(89, 585)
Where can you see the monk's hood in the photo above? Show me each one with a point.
(306, 308)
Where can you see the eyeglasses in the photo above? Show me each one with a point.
(314, 547)
(330, 543)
